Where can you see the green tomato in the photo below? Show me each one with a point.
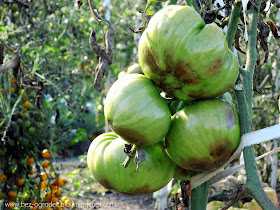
(27, 123)
(203, 135)
(186, 58)
(181, 173)
(135, 110)
(104, 158)
(31, 131)
(121, 74)
(214, 205)
(134, 69)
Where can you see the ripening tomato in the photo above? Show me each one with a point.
(104, 158)
(30, 160)
(203, 135)
(12, 194)
(46, 153)
(135, 110)
(20, 181)
(46, 164)
(187, 59)
(3, 177)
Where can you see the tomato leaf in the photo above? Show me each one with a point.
(148, 4)
(149, 12)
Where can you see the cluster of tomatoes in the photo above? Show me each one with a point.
(27, 174)
(44, 184)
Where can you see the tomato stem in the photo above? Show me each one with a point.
(129, 156)
(244, 98)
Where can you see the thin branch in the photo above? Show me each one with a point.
(233, 23)
(240, 192)
(1, 53)
(20, 3)
(94, 13)
(11, 114)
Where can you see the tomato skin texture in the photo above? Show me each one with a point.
(214, 205)
(135, 110)
(203, 135)
(134, 69)
(186, 59)
(104, 159)
(181, 173)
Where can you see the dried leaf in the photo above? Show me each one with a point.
(274, 29)
(139, 157)
(236, 41)
(105, 56)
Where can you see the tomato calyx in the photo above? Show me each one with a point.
(129, 150)
(139, 156)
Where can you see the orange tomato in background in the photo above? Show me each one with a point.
(3, 178)
(46, 164)
(20, 181)
(30, 160)
(46, 153)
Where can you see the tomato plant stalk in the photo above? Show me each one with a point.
(244, 98)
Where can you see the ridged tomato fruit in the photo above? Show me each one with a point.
(104, 158)
(186, 58)
(135, 110)
(203, 135)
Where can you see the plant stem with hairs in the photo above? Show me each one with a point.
(244, 98)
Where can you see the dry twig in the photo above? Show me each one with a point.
(236, 196)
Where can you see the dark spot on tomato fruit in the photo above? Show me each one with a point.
(184, 72)
(221, 148)
(110, 122)
(215, 68)
(169, 90)
(131, 135)
(197, 164)
(105, 183)
(139, 191)
(220, 152)
(168, 61)
(230, 119)
(151, 62)
(198, 94)
(181, 171)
